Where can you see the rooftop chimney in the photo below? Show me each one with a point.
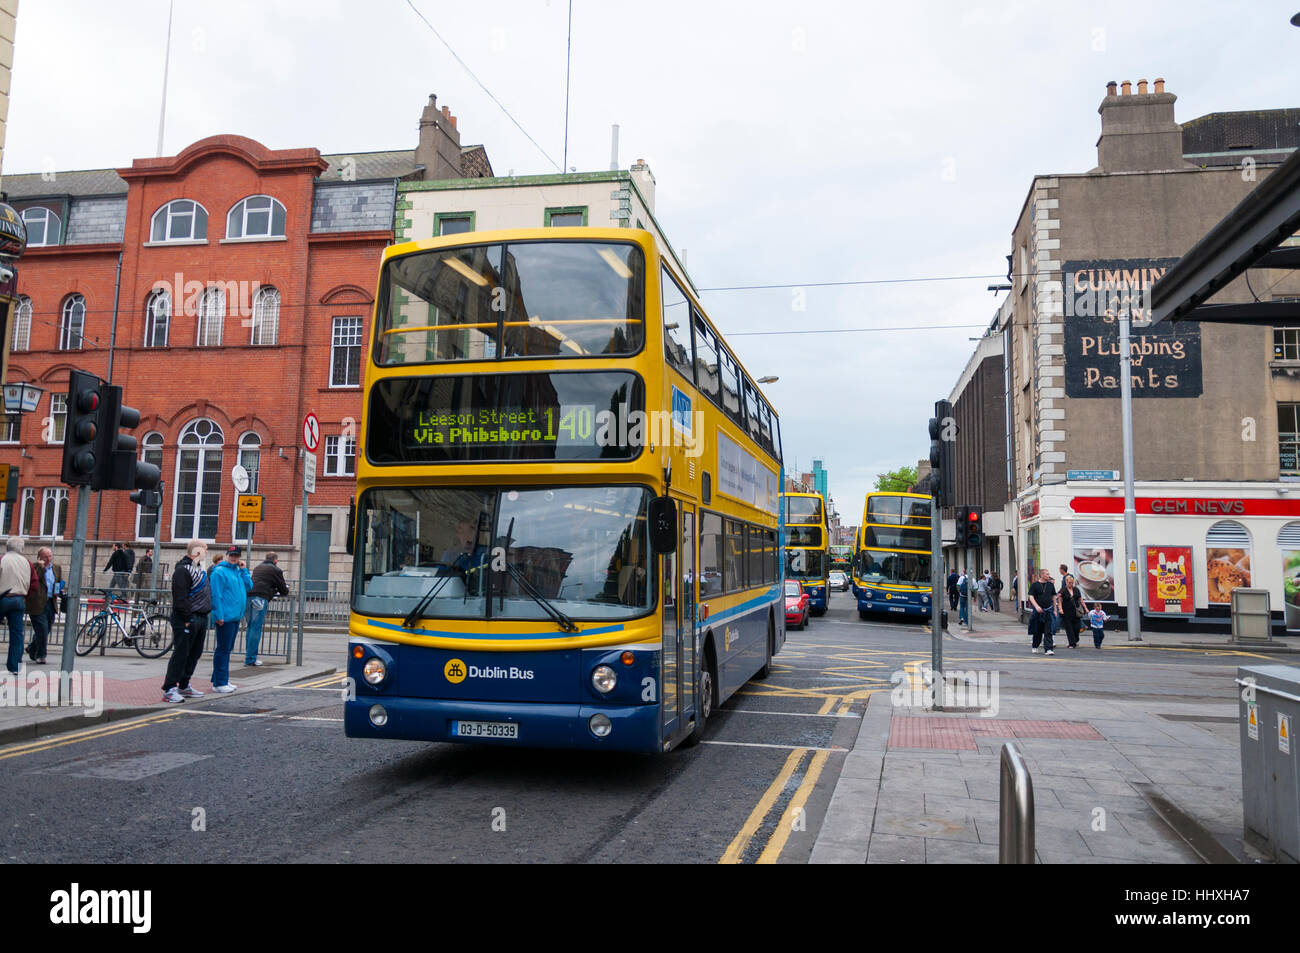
(1138, 132)
(438, 149)
(645, 182)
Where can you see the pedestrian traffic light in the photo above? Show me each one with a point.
(148, 499)
(974, 528)
(962, 521)
(942, 465)
(83, 428)
(117, 466)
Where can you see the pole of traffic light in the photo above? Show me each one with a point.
(73, 608)
(157, 548)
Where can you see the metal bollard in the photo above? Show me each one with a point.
(1016, 810)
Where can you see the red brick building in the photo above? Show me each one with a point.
(228, 290)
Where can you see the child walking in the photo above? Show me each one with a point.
(1096, 621)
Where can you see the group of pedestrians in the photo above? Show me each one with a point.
(28, 589)
(220, 595)
(1051, 610)
(988, 592)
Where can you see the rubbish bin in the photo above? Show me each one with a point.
(1270, 779)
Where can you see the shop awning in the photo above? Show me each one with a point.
(1247, 237)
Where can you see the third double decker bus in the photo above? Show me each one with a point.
(891, 562)
(806, 539)
(567, 515)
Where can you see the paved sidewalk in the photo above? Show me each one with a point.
(133, 685)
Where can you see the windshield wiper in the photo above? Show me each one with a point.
(416, 614)
(559, 618)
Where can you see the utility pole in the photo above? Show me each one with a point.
(1133, 614)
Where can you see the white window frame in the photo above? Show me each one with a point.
(204, 446)
(58, 409)
(22, 339)
(158, 305)
(173, 209)
(10, 428)
(340, 455)
(53, 499)
(356, 331)
(249, 443)
(211, 318)
(152, 441)
(74, 308)
(266, 317)
(27, 511)
(38, 214)
(240, 213)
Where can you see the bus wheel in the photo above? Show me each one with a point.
(704, 699)
(766, 670)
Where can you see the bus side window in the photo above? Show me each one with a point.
(751, 412)
(677, 324)
(730, 373)
(711, 581)
(706, 359)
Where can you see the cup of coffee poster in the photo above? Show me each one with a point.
(1094, 573)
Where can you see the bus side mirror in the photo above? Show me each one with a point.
(352, 525)
(662, 516)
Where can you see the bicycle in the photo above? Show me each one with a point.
(150, 635)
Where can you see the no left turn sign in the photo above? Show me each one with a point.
(311, 432)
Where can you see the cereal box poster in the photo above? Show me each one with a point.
(1169, 580)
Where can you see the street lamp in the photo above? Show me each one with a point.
(768, 380)
(22, 398)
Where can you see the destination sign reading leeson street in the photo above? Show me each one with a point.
(560, 416)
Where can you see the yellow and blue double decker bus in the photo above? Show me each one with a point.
(806, 541)
(567, 521)
(891, 561)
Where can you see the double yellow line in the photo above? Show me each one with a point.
(785, 826)
(89, 734)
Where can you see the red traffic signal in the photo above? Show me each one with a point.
(82, 429)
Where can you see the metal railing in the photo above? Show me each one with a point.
(1016, 810)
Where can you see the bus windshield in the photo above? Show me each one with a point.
(883, 568)
(803, 509)
(521, 300)
(583, 549)
(805, 564)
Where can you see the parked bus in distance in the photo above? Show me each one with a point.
(806, 538)
(841, 559)
(567, 519)
(891, 561)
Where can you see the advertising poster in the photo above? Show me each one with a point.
(1094, 573)
(1169, 580)
(1291, 588)
(1226, 570)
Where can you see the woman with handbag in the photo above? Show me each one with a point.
(1072, 611)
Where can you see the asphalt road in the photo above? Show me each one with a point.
(268, 776)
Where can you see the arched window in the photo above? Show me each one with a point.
(72, 323)
(182, 220)
(22, 324)
(266, 316)
(151, 451)
(157, 318)
(250, 457)
(212, 317)
(43, 227)
(1227, 560)
(197, 502)
(258, 216)
(27, 512)
(54, 512)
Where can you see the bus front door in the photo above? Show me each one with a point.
(677, 648)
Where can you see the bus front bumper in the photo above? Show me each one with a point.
(536, 725)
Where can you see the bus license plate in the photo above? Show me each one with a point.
(897, 609)
(485, 729)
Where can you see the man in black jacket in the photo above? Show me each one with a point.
(191, 603)
(268, 582)
(119, 564)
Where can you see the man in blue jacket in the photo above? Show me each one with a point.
(231, 584)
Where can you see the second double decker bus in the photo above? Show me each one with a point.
(806, 539)
(567, 515)
(891, 561)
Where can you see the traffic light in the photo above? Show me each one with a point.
(148, 499)
(117, 466)
(962, 524)
(974, 528)
(83, 429)
(942, 432)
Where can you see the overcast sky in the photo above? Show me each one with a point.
(792, 143)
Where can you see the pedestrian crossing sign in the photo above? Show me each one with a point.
(1252, 721)
(1283, 733)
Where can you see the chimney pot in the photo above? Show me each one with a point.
(1126, 89)
(453, 122)
(1142, 87)
(1111, 88)
(1160, 85)
(446, 113)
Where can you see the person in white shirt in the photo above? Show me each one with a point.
(15, 583)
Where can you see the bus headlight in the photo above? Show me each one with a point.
(603, 679)
(926, 600)
(378, 716)
(374, 671)
(600, 725)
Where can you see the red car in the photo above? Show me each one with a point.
(796, 605)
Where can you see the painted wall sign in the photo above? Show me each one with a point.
(1169, 580)
(1187, 506)
(1166, 358)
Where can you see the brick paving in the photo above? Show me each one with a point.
(960, 734)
